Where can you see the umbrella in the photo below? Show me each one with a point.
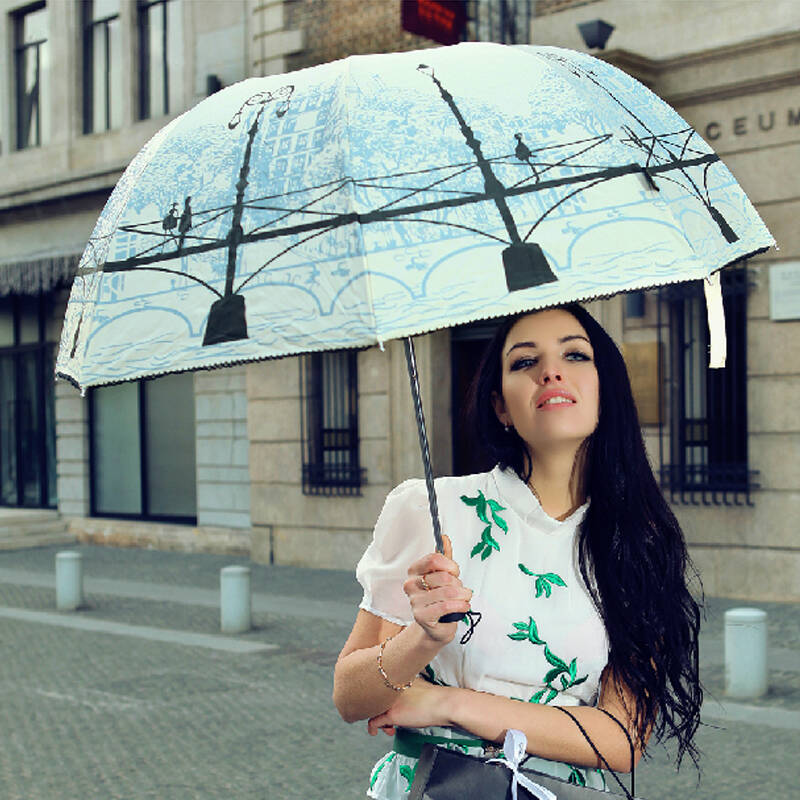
(385, 196)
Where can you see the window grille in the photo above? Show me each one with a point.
(704, 446)
(329, 429)
(102, 71)
(31, 74)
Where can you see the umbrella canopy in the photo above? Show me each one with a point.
(386, 196)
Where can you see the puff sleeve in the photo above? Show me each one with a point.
(403, 534)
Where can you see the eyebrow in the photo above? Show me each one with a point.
(562, 340)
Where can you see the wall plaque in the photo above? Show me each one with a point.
(642, 360)
(784, 291)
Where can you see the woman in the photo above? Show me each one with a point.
(570, 554)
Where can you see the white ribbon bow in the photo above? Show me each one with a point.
(514, 751)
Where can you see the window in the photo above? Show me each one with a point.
(504, 21)
(102, 76)
(704, 452)
(27, 426)
(329, 392)
(31, 75)
(142, 440)
(160, 52)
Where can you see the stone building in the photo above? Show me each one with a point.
(261, 459)
(84, 85)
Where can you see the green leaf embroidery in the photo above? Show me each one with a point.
(552, 675)
(408, 773)
(565, 674)
(553, 659)
(480, 508)
(498, 520)
(544, 580)
(576, 776)
(487, 543)
(387, 760)
(488, 539)
(537, 698)
(526, 631)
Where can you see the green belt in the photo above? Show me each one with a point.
(410, 743)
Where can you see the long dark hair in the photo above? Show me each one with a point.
(631, 550)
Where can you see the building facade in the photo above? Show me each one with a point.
(290, 460)
(84, 86)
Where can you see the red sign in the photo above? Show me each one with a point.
(441, 20)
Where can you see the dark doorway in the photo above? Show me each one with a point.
(27, 425)
(467, 345)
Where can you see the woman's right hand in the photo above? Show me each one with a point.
(434, 589)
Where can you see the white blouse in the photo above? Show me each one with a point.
(540, 637)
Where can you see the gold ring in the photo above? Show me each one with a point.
(424, 583)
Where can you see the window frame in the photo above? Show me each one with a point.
(88, 24)
(144, 515)
(345, 476)
(44, 355)
(143, 10)
(18, 24)
(716, 431)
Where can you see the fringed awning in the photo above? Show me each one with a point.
(37, 275)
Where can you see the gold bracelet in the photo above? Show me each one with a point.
(383, 671)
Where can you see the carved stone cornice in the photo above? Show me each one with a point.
(756, 66)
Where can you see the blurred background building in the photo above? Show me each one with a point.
(290, 460)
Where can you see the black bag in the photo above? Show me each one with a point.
(444, 774)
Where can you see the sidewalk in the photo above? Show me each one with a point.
(139, 695)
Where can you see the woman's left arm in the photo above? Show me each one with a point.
(551, 734)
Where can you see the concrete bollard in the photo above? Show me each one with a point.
(235, 603)
(69, 580)
(745, 652)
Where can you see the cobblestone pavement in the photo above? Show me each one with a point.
(93, 716)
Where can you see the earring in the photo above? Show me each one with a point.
(507, 428)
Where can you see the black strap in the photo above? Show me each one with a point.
(630, 745)
(628, 794)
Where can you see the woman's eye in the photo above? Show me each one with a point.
(523, 363)
(577, 355)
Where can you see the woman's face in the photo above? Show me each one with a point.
(551, 390)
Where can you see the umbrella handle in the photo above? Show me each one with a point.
(413, 377)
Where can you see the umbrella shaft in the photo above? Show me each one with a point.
(411, 362)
